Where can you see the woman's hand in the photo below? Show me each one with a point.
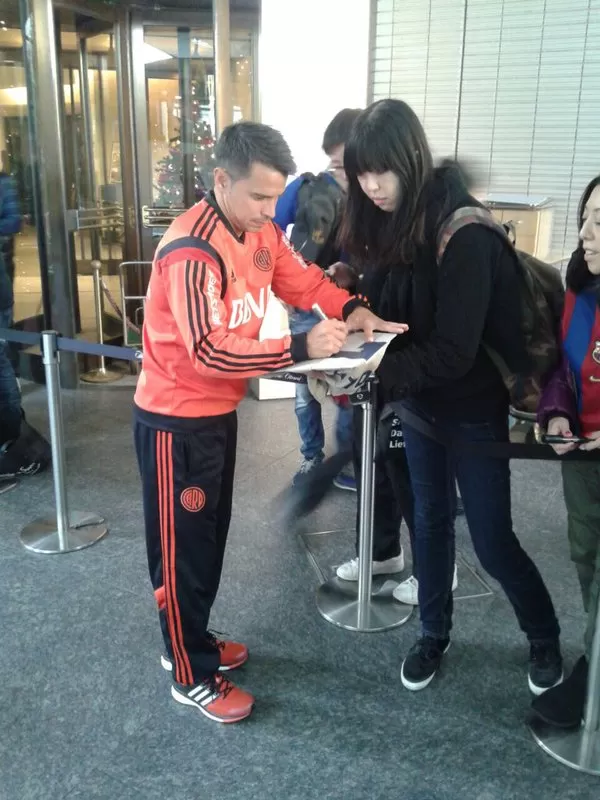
(594, 444)
(361, 319)
(560, 426)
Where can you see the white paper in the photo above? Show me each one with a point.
(344, 373)
(356, 353)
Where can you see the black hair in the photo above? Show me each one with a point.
(246, 143)
(578, 274)
(387, 136)
(338, 130)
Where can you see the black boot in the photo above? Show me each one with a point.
(563, 705)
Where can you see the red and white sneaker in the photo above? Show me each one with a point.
(216, 698)
(233, 654)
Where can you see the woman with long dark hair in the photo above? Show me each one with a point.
(570, 407)
(442, 376)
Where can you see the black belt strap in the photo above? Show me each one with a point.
(508, 450)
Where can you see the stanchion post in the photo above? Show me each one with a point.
(66, 531)
(344, 603)
(57, 436)
(366, 514)
(101, 374)
(580, 748)
(591, 720)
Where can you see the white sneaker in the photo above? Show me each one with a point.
(408, 591)
(349, 570)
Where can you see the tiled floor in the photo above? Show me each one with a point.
(85, 708)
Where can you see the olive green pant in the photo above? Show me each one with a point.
(581, 482)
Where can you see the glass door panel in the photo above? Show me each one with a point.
(20, 249)
(92, 158)
(180, 92)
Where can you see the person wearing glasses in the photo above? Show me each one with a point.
(313, 205)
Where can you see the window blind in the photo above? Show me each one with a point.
(507, 85)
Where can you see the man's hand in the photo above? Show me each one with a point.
(361, 319)
(560, 426)
(326, 338)
(594, 444)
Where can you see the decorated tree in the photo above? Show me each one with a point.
(169, 170)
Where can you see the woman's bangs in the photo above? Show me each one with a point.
(364, 154)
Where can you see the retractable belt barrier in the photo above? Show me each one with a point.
(67, 530)
(530, 451)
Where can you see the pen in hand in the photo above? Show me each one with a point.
(318, 312)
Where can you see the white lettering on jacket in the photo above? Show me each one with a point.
(243, 309)
(294, 252)
(213, 300)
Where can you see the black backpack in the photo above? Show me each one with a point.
(318, 214)
(541, 298)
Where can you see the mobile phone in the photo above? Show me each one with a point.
(554, 438)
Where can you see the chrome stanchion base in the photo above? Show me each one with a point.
(6, 484)
(337, 602)
(85, 529)
(102, 375)
(578, 749)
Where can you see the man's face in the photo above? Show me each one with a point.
(249, 203)
(336, 166)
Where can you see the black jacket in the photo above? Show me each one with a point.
(473, 296)
(6, 289)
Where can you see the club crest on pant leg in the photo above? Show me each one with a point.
(193, 499)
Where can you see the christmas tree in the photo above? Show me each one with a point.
(169, 170)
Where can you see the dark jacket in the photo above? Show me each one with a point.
(559, 398)
(6, 289)
(10, 209)
(573, 391)
(451, 309)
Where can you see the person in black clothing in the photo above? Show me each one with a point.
(23, 451)
(439, 374)
(393, 501)
(10, 396)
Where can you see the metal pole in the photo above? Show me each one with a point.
(221, 37)
(65, 531)
(91, 200)
(57, 436)
(45, 87)
(366, 514)
(344, 603)
(101, 374)
(580, 748)
(591, 719)
(186, 128)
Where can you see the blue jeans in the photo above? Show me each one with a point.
(10, 397)
(308, 410)
(484, 484)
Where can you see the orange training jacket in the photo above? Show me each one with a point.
(206, 300)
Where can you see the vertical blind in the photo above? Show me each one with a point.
(510, 86)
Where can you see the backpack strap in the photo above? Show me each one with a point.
(196, 247)
(460, 219)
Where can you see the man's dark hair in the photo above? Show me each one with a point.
(246, 143)
(338, 130)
